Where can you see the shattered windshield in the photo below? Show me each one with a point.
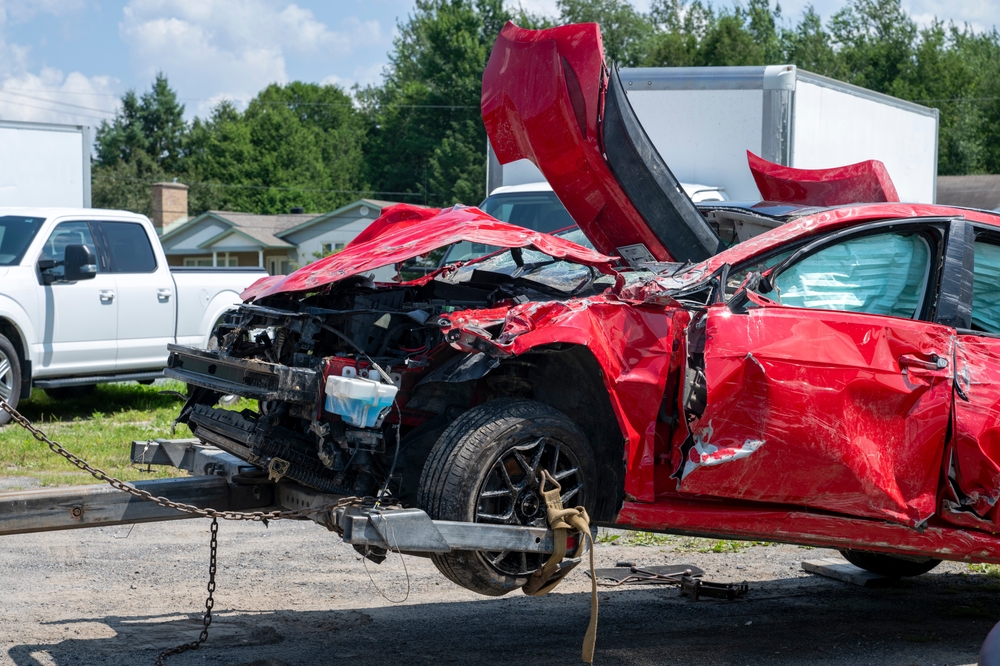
(535, 267)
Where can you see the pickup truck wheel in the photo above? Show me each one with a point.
(70, 392)
(887, 565)
(484, 469)
(10, 377)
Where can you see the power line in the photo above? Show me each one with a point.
(200, 99)
(52, 101)
(99, 176)
(51, 110)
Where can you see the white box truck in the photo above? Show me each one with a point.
(44, 165)
(702, 121)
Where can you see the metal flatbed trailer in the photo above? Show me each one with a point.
(223, 482)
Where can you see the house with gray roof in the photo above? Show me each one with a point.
(279, 243)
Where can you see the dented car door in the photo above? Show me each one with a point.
(972, 495)
(833, 392)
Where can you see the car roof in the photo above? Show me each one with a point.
(838, 217)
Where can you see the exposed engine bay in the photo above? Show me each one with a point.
(355, 380)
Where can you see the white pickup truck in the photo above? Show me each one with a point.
(86, 297)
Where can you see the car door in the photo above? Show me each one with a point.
(973, 464)
(831, 393)
(79, 319)
(146, 299)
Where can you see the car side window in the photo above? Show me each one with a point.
(881, 274)
(128, 247)
(67, 233)
(986, 288)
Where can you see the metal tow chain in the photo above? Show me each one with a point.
(209, 602)
(100, 475)
(255, 516)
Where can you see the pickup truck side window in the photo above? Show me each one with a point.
(16, 233)
(128, 247)
(880, 274)
(67, 233)
(986, 288)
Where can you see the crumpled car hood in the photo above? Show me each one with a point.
(393, 243)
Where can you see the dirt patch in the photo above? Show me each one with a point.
(8, 483)
(291, 595)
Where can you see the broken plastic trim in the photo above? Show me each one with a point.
(650, 185)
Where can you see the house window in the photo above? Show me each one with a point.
(197, 261)
(330, 248)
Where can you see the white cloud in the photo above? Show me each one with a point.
(53, 97)
(230, 48)
(979, 14)
(48, 94)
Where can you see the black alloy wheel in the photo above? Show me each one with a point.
(484, 468)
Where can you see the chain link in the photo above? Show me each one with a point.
(256, 516)
(209, 602)
(100, 475)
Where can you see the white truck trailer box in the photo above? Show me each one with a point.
(702, 120)
(44, 165)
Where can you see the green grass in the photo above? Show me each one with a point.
(680, 544)
(99, 428)
(992, 570)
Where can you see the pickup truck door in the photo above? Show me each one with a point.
(146, 297)
(79, 319)
(839, 398)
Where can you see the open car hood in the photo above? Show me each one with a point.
(549, 97)
(403, 232)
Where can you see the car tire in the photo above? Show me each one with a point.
(10, 377)
(887, 565)
(70, 392)
(483, 468)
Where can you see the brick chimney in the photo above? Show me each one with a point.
(170, 203)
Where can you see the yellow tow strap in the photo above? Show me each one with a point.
(544, 579)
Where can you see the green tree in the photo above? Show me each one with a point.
(808, 45)
(295, 145)
(430, 94)
(152, 124)
(145, 142)
(625, 31)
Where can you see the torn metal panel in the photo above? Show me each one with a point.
(822, 409)
(398, 242)
(549, 97)
(976, 440)
(633, 347)
(863, 182)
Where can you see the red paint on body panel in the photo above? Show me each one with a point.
(866, 181)
(402, 241)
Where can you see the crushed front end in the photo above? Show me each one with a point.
(354, 381)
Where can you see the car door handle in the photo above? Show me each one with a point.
(163, 295)
(935, 362)
(107, 296)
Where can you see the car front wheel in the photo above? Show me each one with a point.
(485, 468)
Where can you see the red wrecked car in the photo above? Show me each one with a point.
(820, 368)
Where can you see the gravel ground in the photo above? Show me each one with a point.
(291, 594)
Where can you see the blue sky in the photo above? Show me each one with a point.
(70, 60)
